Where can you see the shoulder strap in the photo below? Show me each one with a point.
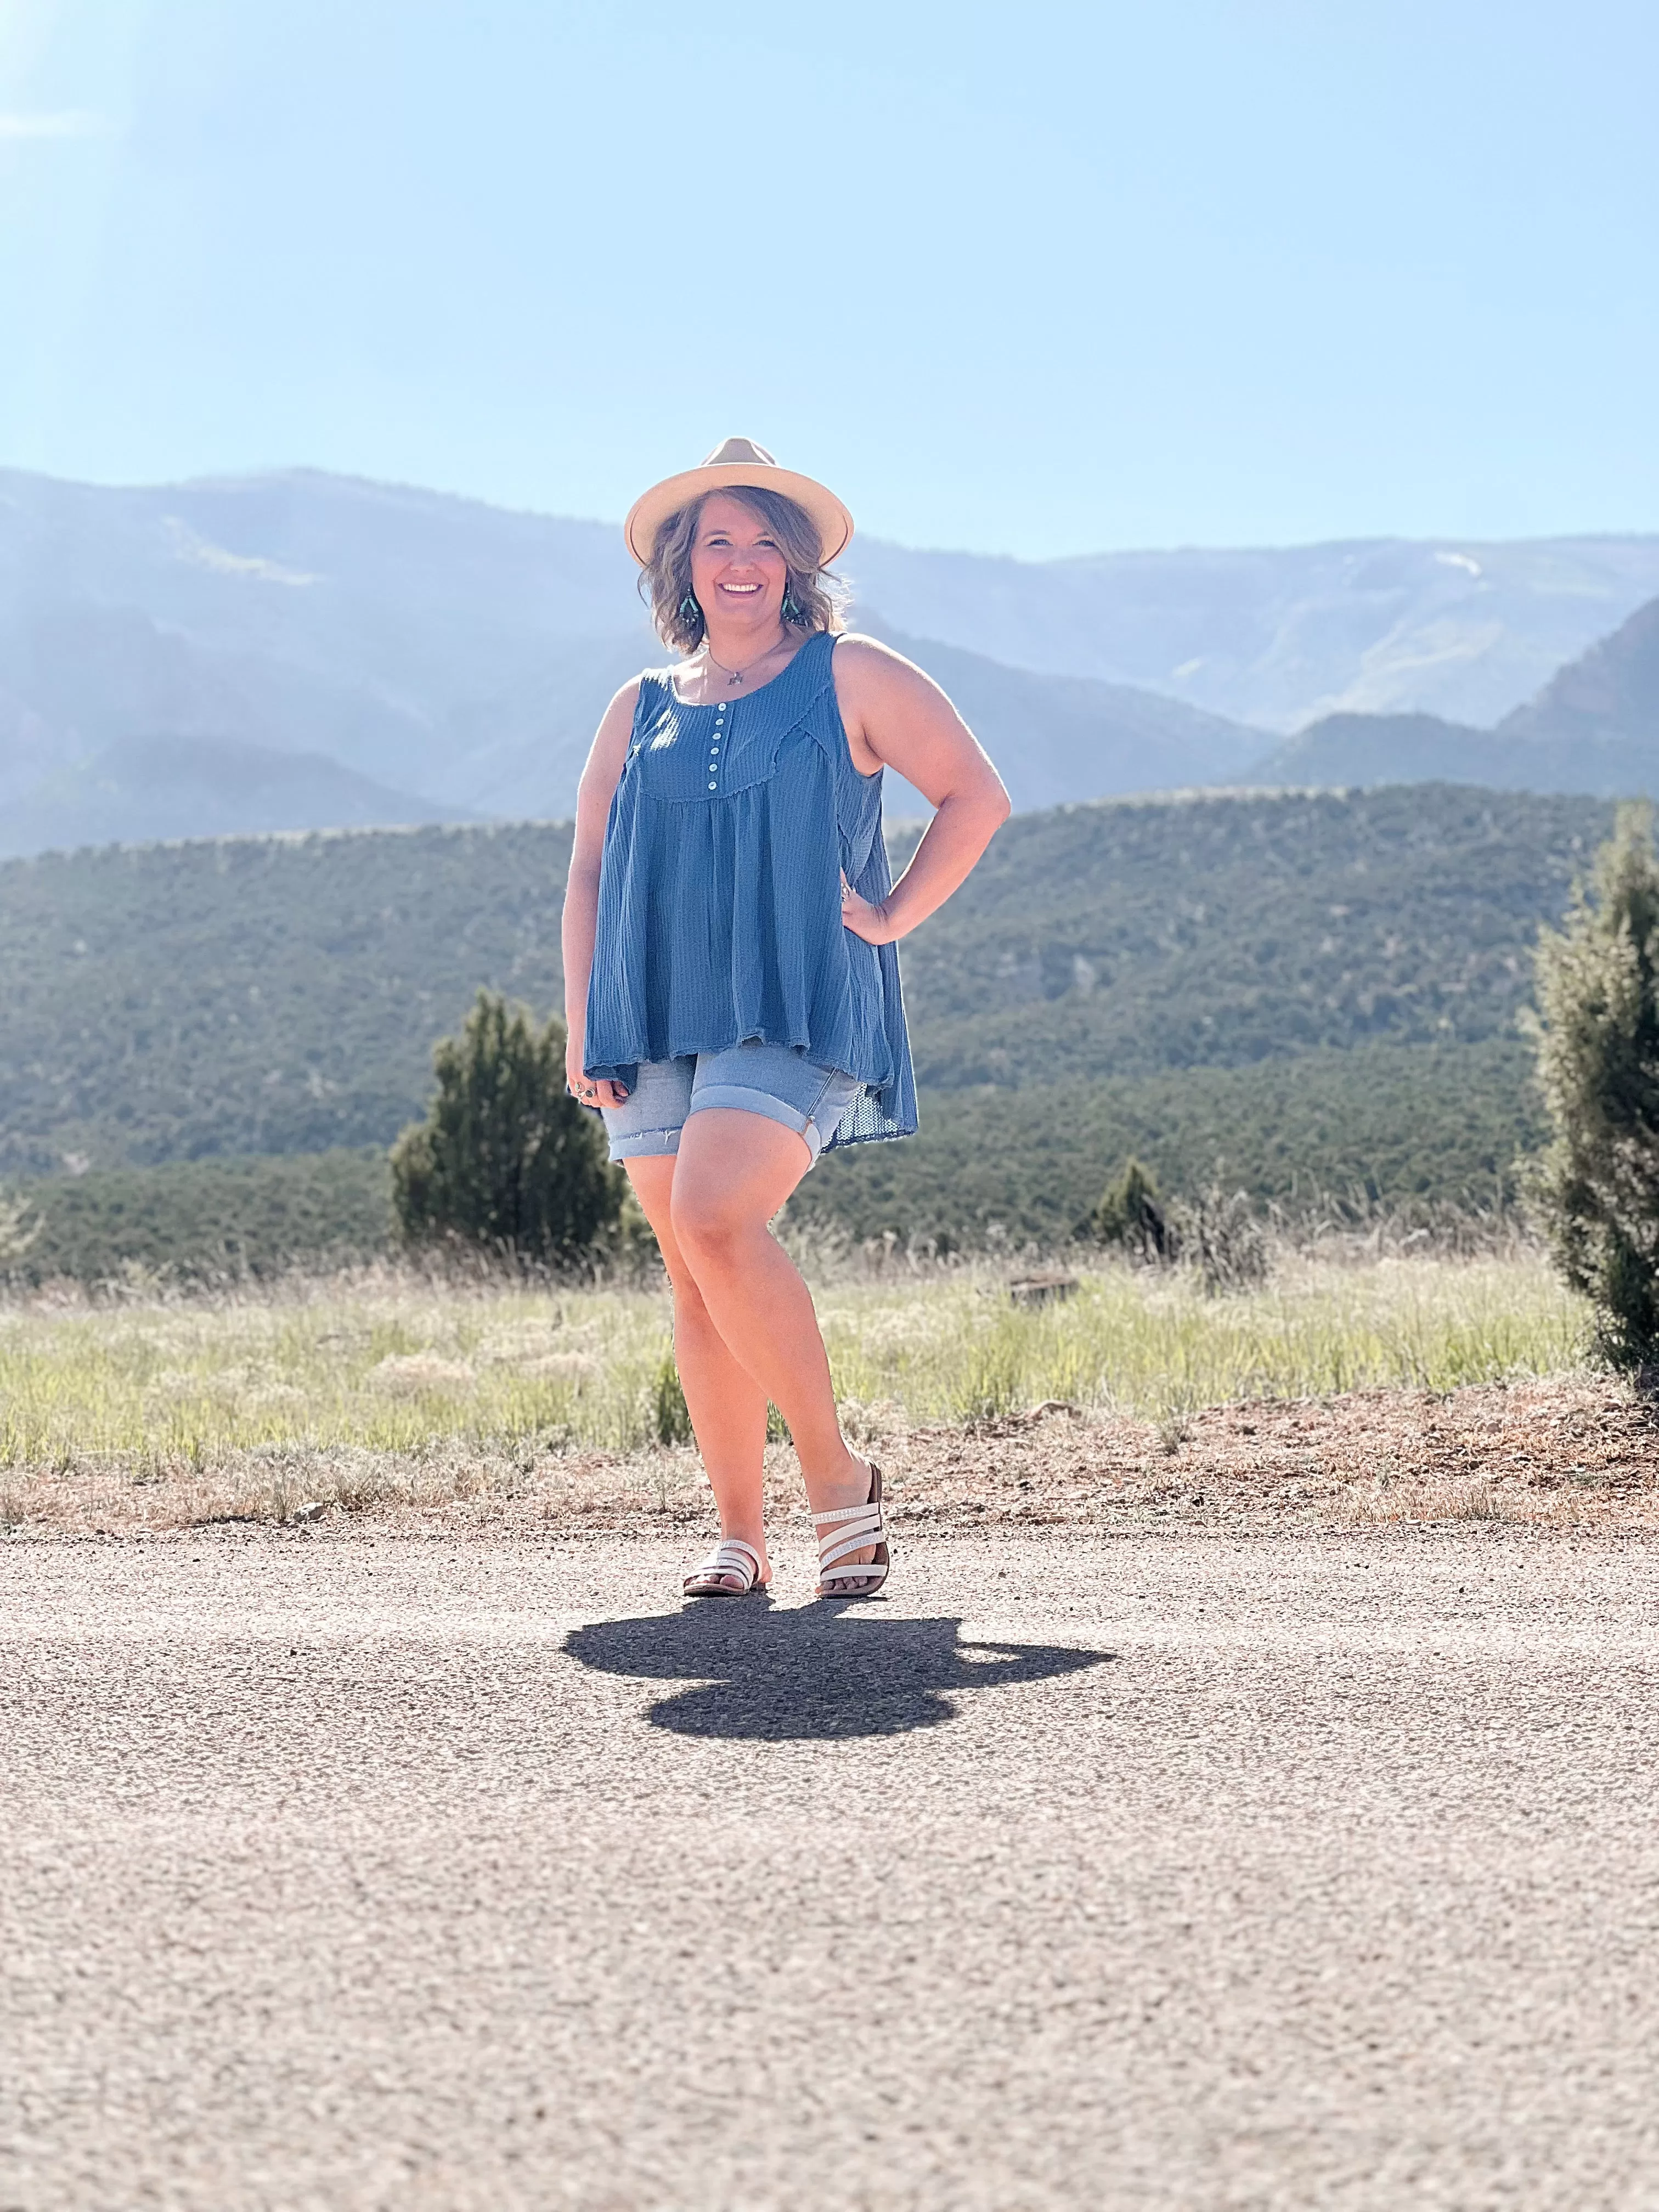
(811, 666)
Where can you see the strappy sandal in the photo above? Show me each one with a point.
(731, 1556)
(853, 1528)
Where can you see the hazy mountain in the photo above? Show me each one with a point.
(1609, 696)
(1348, 750)
(1057, 739)
(1281, 637)
(415, 639)
(150, 788)
(1593, 728)
(1366, 750)
(457, 657)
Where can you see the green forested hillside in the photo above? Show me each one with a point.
(208, 1218)
(1415, 1125)
(1222, 929)
(1404, 1126)
(281, 995)
(272, 994)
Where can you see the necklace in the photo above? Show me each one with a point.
(735, 676)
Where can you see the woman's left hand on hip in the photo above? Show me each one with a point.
(870, 922)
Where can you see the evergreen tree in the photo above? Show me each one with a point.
(505, 1160)
(18, 1227)
(1597, 1185)
(1131, 1213)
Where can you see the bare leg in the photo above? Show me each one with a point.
(734, 1172)
(726, 1405)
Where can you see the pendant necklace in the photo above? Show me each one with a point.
(735, 676)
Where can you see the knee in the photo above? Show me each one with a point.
(708, 1227)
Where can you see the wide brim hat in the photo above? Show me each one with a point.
(739, 462)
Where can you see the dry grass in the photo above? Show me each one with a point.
(1405, 1388)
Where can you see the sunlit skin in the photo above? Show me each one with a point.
(745, 1328)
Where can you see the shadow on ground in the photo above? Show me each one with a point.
(766, 1675)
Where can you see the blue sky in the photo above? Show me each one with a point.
(1036, 279)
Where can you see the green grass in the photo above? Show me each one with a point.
(395, 1365)
(1152, 1345)
(385, 1369)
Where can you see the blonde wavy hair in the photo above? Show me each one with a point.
(814, 599)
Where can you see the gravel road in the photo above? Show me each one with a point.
(355, 1871)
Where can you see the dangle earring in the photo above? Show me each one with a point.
(791, 610)
(689, 612)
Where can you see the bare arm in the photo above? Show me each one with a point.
(581, 890)
(898, 717)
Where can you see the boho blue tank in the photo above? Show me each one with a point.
(719, 894)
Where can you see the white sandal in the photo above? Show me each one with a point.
(731, 1556)
(853, 1528)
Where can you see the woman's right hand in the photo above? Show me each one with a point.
(585, 1089)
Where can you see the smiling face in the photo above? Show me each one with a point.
(738, 569)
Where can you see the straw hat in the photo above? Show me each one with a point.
(738, 461)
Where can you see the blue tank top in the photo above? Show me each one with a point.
(719, 894)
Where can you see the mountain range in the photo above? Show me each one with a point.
(1594, 727)
(300, 650)
(1279, 637)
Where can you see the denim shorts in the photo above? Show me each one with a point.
(773, 1079)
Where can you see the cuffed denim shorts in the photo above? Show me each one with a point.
(772, 1079)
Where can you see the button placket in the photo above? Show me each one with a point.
(714, 748)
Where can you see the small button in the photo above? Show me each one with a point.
(711, 787)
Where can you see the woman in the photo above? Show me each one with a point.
(731, 983)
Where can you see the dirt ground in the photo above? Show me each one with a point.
(1573, 1453)
(1576, 1453)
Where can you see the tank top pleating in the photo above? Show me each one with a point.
(719, 894)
